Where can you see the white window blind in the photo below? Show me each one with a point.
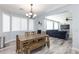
(49, 25)
(31, 25)
(56, 26)
(24, 24)
(16, 23)
(6, 23)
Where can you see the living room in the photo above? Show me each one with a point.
(56, 22)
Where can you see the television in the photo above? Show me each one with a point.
(38, 31)
(65, 27)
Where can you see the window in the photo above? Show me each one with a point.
(56, 26)
(31, 25)
(49, 25)
(24, 24)
(6, 23)
(16, 24)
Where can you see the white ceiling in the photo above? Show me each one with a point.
(22, 9)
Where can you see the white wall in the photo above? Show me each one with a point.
(0, 22)
(37, 26)
(75, 25)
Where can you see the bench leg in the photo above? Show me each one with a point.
(28, 51)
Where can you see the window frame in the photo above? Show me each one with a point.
(53, 24)
(19, 24)
(29, 25)
(8, 22)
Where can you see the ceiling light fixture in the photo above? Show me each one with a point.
(31, 13)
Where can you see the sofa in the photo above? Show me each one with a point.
(57, 34)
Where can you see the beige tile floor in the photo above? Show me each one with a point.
(57, 46)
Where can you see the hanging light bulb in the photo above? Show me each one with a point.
(34, 15)
(27, 14)
(30, 13)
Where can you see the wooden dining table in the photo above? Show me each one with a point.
(35, 37)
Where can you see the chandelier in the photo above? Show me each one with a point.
(31, 13)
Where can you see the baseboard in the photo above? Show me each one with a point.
(10, 41)
(76, 49)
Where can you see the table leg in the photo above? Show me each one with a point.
(21, 47)
(48, 42)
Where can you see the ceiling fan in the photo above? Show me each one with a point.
(67, 19)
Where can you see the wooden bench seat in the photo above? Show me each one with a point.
(34, 45)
